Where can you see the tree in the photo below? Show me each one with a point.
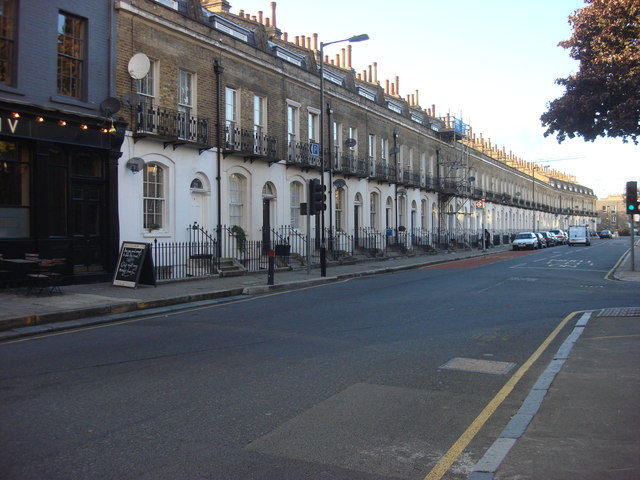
(603, 98)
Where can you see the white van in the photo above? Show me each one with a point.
(579, 234)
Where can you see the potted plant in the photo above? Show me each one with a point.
(241, 237)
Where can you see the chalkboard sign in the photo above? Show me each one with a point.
(135, 265)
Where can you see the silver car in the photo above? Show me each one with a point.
(525, 240)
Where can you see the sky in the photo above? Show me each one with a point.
(492, 63)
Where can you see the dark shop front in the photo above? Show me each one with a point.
(58, 190)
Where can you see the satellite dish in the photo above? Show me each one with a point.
(350, 142)
(110, 106)
(131, 98)
(139, 66)
(135, 164)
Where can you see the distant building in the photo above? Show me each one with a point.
(611, 213)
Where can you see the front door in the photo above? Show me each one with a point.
(86, 225)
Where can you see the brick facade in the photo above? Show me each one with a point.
(259, 60)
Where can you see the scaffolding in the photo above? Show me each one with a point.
(454, 181)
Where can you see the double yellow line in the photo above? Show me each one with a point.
(445, 462)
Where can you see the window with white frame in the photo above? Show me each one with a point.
(389, 219)
(232, 135)
(154, 182)
(293, 122)
(423, 214)
(337, 143)
(373, 210)
(353, 135)
(295, 198)
(259, 122)
(371, 151)
(185, 103)
(313, 125)
(339, 209)
(237, 194)
(384, 149)
(146, 90)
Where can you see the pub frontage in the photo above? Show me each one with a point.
(58, 189)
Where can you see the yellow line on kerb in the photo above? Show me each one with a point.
(445, 462)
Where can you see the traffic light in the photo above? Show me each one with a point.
(317, 197)
(632, 197)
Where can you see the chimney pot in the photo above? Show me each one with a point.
(375, 72)
(349, 48)
(260, 17)
(397, 83)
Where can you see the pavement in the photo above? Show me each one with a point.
(581, 419)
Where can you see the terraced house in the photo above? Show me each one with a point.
(224, 134)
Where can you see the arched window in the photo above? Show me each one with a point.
(237, 194)
(389, 218)
(154, 197)
(196, 184)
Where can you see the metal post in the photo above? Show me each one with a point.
(272, 262)
(308, 229)
(323, 254)
(484, 228)
(633, 241)
(323, 246)
(218, 69)
(395, 157)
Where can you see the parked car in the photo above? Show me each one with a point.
(549, 238)
(561, 236)
(606, 234)
(542, 242)
(525, 240)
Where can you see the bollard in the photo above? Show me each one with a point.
(272, 264)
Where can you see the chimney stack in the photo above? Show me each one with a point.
(216, 5)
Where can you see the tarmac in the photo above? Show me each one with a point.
(581, 419)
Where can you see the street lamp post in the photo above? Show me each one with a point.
(323, 246)
(395, 161)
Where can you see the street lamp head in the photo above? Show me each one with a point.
(359, 38)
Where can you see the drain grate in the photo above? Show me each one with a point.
(478, 366)
(620, 312)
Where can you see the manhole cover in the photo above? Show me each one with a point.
(478, 366)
